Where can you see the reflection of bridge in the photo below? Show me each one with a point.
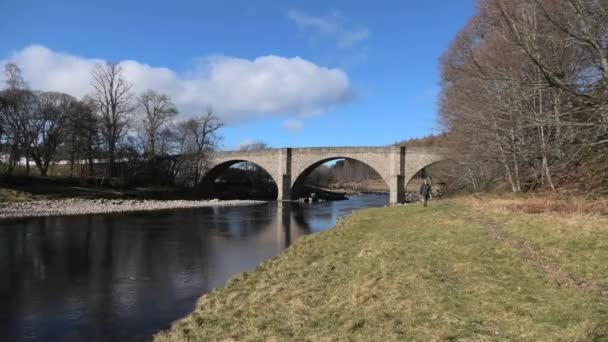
(290, 166)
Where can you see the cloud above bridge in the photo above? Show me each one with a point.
(332, 25)
(294, 124)
(349, 40)
(236, 89)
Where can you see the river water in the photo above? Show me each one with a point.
(126, 276)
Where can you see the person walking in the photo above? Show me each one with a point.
(425, 192)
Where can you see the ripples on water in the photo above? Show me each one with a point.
(127, 276)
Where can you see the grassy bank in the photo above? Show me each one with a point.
(457, 270)
(26, 189)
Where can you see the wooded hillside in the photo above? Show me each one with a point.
(525, 95)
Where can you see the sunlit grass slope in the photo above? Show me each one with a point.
(425, 274)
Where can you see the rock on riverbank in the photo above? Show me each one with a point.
(77, 206)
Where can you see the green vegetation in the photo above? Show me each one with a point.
(448, 272)
(10, 195)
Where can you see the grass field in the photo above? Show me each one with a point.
(454, 271)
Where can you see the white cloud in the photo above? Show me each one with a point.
(237, 89)
(294, 124)
(354, 37)
(331, 26)
(326, 25)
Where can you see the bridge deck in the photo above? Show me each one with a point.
(334, 149)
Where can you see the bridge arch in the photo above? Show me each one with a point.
(419, 158)
(415, 172)
(216, 169)
(299, 178)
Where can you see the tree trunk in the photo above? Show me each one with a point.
(152, 147)
(110, 161)
(72, 163)
(543, 145)
(472, 179)
(27, 164)
(515, 159)
(545, 161)
(91, 166)
(12, 160)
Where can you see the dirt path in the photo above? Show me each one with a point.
(552, 270)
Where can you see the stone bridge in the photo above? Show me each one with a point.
(289, 167)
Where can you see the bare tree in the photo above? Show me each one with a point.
(81, 134)
(199, 134)
(112, 98)
(197, 138)
(17, 107)
(525, 97)
(342, 171)
(253, 171)
(157, 111)
(253, 146)
(46, 127)
(168, 140)
(14, 79)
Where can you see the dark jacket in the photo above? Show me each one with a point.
(425, 190)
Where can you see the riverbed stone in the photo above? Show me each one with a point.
(78, 206)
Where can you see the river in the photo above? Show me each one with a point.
(126, 276)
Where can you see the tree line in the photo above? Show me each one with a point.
(128, 132)
(342, 171)
(525, 95)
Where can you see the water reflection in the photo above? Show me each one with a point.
(126, 276)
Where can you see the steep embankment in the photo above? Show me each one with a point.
(450, 271)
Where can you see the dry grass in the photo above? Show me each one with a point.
(538, 204)
(15, 196)
(400, 273)
(570, 232)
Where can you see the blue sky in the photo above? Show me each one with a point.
(366, 73)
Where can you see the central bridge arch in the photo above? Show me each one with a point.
(288, 167)
(301, 175)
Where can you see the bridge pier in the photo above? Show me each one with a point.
(284, 175)
(397, 189)
(396, 183)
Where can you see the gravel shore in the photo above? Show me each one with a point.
(77, 206)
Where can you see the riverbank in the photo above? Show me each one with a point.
(459, 269)
(368, 186)
(79, 206)
(26, 189)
